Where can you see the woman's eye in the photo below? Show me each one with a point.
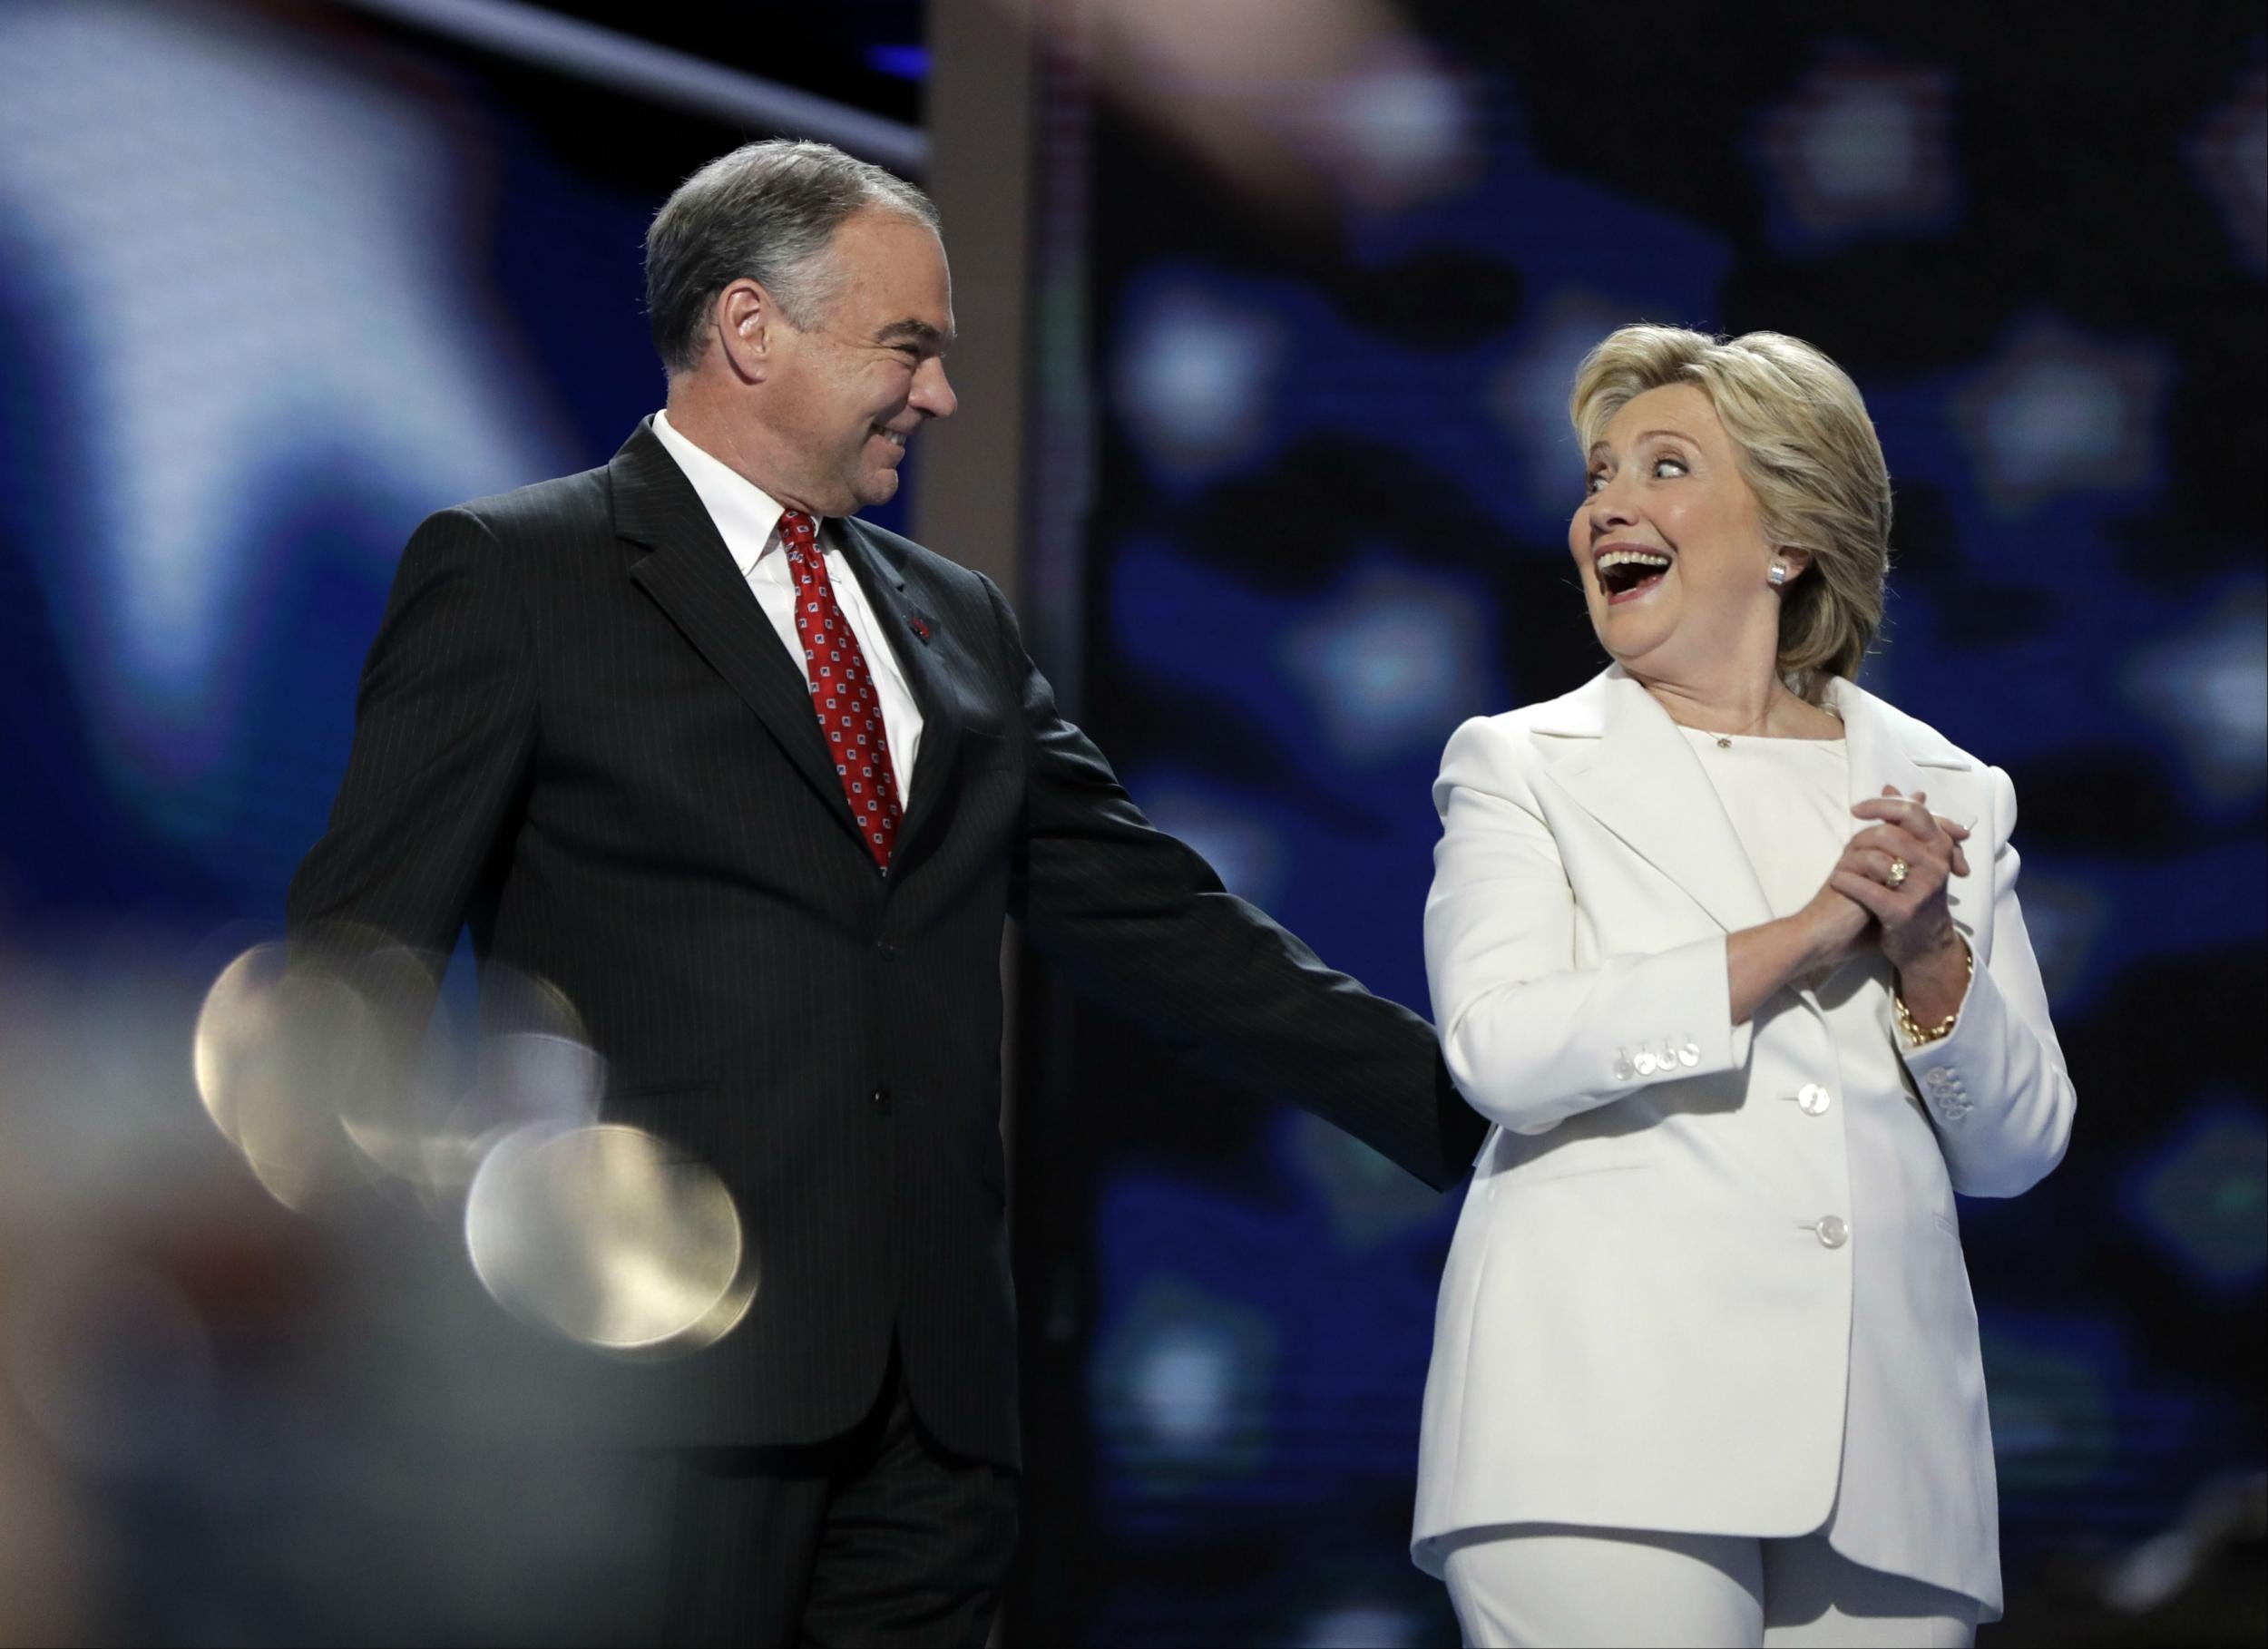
(1594, 481)
(1677, 465)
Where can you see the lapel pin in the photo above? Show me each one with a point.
(919, 623)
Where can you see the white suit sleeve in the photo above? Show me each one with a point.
(1996, 1084)
(1531, 1040)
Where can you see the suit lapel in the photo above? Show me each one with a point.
(690, 576)
(1641, 779)
(1887, 747)
(912, 635)
(1878, 757)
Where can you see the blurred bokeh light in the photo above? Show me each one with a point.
(608, 1237)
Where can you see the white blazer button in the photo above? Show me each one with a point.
(1832, 1233)
(1814, 1098)
(1644, 1061)
(1624, 1070)
(1690, 1053)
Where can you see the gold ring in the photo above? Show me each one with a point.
(1898, 869)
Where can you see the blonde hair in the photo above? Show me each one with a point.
(1809, 452)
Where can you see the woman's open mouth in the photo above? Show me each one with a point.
(1624, 575)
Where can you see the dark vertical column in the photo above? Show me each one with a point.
(1001, 489)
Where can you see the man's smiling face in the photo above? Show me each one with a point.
(843, 394)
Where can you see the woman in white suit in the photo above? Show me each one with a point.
(1729, 952)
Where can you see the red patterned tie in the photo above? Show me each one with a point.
(842, 691)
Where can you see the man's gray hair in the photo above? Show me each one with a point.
(765, 214)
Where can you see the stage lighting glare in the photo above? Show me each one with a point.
(326, 333)
(1390, 662)
(2199, 1195)
(1362, 1625)
(320, 1067)
(1864, 148)
(1194, 379)
(532, 1066)
(1246, 851)
(2227, 1514)
(281, 1057)
(2066, 916)
(393, 1109)
(1183, 1387)
(536, 1076)
(2059, 412)
(2231, 156)
(1183, 1390)
(2208, 685)
(608, 1237)
(1397, 132)
(235, 1028)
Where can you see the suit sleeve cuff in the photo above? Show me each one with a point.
(1936, 1066)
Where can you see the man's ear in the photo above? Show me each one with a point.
(744, 318)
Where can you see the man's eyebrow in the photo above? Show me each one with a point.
(915, 331)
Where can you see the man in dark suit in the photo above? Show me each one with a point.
(757, 786)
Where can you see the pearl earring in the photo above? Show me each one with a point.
(1778, 575)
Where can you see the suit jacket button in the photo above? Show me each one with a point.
(1832, 1232)
(881, 1098)
(1814, 1099)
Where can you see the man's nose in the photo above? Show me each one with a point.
(933, 393)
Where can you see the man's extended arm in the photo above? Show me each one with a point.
(1140, 921)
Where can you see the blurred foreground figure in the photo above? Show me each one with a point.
(1729, 950)
(756, 786)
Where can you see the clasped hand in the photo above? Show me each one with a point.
(1865, 890)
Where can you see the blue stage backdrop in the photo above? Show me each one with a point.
(275, 283)
(1329, 523)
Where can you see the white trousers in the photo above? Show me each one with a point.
(1561, 1587)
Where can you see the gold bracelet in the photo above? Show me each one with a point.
(1915, 1036)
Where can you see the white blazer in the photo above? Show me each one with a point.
(1690, 1248)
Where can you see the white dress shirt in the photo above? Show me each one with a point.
(747, 518)
(1788, 800)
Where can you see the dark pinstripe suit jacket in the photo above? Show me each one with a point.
(578, 732)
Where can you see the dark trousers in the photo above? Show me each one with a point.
(878, 1537)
